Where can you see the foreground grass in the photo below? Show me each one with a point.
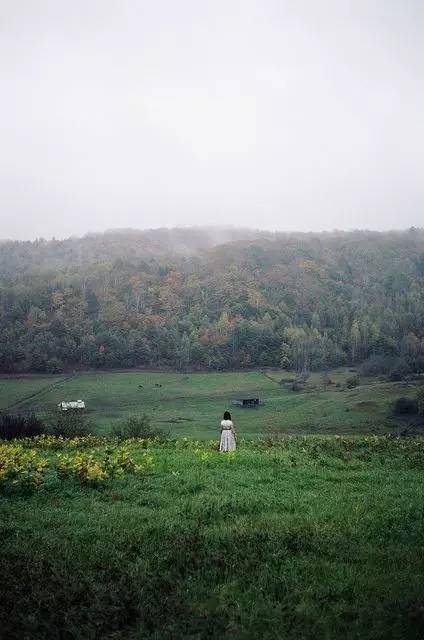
(310, 538)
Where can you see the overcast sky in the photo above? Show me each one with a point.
(275, 114)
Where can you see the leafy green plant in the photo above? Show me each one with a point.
(19, 467)
(94, 468)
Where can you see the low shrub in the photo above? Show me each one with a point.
(399, 371)
(70, 424)
(420, 400)
(352, 382)
(136, 427)
(405, 405)
(378, 365)
(417, 364)
(396, 375)
(326, 380)
(17, 426)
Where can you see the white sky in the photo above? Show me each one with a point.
(275, 114)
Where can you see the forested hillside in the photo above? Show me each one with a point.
(213, 299)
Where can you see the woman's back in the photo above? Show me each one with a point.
(228, 436)
(226, 424)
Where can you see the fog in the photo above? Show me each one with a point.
(277, 114)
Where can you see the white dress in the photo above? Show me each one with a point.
(228, 441)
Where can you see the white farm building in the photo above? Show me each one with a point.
(73, 404)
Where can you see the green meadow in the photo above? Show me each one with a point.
(313, 528)
(14, 390)
(302, 538)
(191, 405)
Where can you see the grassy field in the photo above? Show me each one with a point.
(191, 404)
(14, 390)
(309, 538)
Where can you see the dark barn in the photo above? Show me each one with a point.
(248, 403)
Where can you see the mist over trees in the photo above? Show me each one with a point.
(213, 299)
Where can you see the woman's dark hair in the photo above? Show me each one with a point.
(227, 415)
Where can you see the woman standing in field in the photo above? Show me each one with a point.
(228, 435)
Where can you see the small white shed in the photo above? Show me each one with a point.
(72, 404)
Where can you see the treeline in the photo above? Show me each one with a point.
(213, 299)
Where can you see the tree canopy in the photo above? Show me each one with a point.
(212, 299)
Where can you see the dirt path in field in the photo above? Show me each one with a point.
(40, 392)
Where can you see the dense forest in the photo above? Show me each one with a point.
(213, 299)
